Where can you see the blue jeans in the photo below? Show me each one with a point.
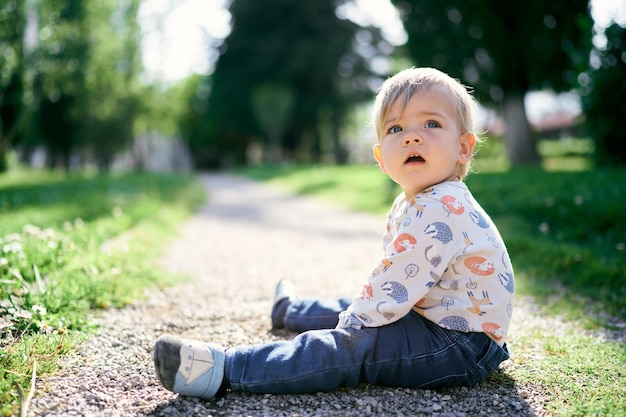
(411, 352)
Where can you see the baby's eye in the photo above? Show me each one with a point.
(394, 129)
(432, 124)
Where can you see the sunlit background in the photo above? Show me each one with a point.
(176, 36)
(175, 32)
(152, 71)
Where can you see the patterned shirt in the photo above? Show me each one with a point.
(444, 258)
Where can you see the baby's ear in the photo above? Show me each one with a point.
(378, 155)
(468, 141)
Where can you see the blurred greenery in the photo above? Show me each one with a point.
(473, 41)
(562, 228)
(72, 88)
(79, 90)
(603, 88)
(298, 58)
(73, 243)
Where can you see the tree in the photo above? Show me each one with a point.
(61, 65)
(604, 96)
(191, 95)
(272, 106)
(112, 89)
(87, 77)
(12, 108)
(301, 47)
(503, 50)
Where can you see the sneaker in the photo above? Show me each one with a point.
(189, 367)
(285, 293)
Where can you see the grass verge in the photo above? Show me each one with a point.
(70, 244)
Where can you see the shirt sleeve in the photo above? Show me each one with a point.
(422, 244)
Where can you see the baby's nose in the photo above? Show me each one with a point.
(410, 138)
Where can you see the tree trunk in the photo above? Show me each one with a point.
(519, 139)
(339, 152)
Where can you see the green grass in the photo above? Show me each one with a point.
(581, 375)
(565, 228)
(358, 187)
(70, 244)
(557, 155)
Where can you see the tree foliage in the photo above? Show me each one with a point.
(193, 93)
(503, 50)
(307, 55)
(604, 98)
(12, 109)
(112, 80)
(73, 88)
(87, 77)
(61, 64)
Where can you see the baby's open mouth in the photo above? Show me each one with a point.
(415, 158)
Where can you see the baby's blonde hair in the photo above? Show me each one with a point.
(408, 82)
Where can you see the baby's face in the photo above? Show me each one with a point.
(422, 144)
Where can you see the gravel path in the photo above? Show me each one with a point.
(237, 247)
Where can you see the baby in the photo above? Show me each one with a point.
(435, 310)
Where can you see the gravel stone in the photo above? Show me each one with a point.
(236, 248)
